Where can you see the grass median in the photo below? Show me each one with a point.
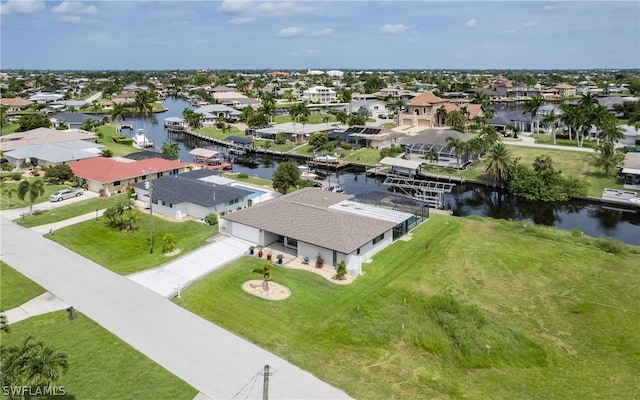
(101, 366)
(467, 308)
(15, 288)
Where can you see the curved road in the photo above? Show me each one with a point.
(215, 362)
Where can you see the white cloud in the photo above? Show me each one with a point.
(531, 23)
(293, 31)
(242, 20)
(470, 23)
(393, 28)
(21, 7)
(74, 7)
(547, 8)
(266, 8)
(323, 32)
(510, 31)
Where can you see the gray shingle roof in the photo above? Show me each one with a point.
(76, 117)
(179, 188)
(305, 215)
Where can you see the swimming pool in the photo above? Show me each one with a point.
(255, 192)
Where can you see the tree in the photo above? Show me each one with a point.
(57, 174)
(170, 149)
(609, 129)
(549, 121)
(497, 164)
(286, 176)
(458, 146)
(432, 155)
(607, 157)
(532, 106)
(441, 115)
(456, 120)
(318, 140)
(4, 324)
(373, 84)
(342, 117)
(28, 122)
(344, 95)
(341, 271)
(31, 363)
(634, 120)
(33, 189)
(246, 113)
(192, 118)
(258, 119)
(265, 271)
(143, 102)
(168, 243)
(9, 192)
(569, 117)
(357, 120)
(543, 165)
(117, 113)
(119, 216)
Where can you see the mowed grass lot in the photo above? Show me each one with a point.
(70, 211)
(127, 252)
(559, 313)
(101, 366)
(117, 149)
(15, 202)
(15, 288)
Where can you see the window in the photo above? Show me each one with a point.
(159, 174)
(234, 201)
(378, 239)
(116, 183)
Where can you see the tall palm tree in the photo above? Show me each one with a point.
(33, 189)
(549, 121)
(610, 131)
(143, 102)
(170, 149)
(634, 120)
(497, 164)
(456, 120)
(9, 192)
(588, 99)
(532, 106)
(458, 146)
(47, 366)
(569, 117)
(441, 115)
(117, 113)
(192, 118)
(606, 157)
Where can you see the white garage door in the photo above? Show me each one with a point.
(245, 232)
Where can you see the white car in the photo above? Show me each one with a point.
(65, 194)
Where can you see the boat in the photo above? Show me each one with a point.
(626, 197)
(305, 173)
(140, 139)
(335, 189)
(326, 159)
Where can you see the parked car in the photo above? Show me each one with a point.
(65, 194)
(382, 116)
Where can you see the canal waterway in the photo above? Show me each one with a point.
(592, 219)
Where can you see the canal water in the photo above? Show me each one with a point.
(593, 219)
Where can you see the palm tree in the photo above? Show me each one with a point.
(342, 117)
(9, 192)
(117, 113)
(549, 121)
(265, 271)
(634, 120)
(569, 117)
(34, 189)
(532, 107)
(441, 115)
(47, 366)
(479, 98)
(497, 164)
(170, 149)
(456, 120)
(606, 157)
(432, 155)
(458, 146)
(143, 102)
(588, 99)
(192, 118)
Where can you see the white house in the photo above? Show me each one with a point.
(320, 94)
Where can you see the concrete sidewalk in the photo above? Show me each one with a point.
(181, 272)
(43, 229)
(45, 303)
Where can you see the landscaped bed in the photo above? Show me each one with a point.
(473, 308)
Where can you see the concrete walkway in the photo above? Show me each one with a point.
(530, 141)
(181, 272)
(45, 303)
(212, 360)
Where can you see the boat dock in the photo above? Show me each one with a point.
(429, 192)
(625, 197)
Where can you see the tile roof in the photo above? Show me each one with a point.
(305, 215)
(105, 170)
(426, 99)
(18, 140)
(15, 102)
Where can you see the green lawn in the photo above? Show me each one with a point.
(101, 366)
(288, 146)
(70, 211)
(388, 125)
(547, 138)
(15, 288)
(213, 132)
(15, 202)
(251, 179)
(306, 150)
(364, 156)
(118, 149)
(313, 118)
(10, 128)
(556, 310)
(127, 252)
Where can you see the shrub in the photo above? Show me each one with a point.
(16, 176)
(611, 246)
(211, 219)
(58, 173)
(242, 175)
(168, 242)
(319, 261)
(346, 146)
(7, 167)
(267, 144)
(341, 271)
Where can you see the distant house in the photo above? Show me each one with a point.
(115, 175)
(195, 194)
(367, 136)
(15, 104)
(315, 222)
(48, 154)
(417, 147)
(629, 172)
(295, 132)
(320, 94)
(564, 90)
(422, 110)
(373, 107)
(46, 97)
(19, 140)
(234, 99)
(211, 112)
(73, 120)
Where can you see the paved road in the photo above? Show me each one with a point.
(214, 361)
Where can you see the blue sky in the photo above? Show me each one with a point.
(239, 34)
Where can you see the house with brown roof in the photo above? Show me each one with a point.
(15, 104)
(115, 175)
(316, 222)
(422, 110)
(564, 89)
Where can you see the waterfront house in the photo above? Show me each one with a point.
(314, 222)
(629, 172)
(48, 154)
(422, 110)
(296, 132)
(73, 120)
(418, 146)
(212, 112)
(109, 176)
(18, 140)
(193, 194)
